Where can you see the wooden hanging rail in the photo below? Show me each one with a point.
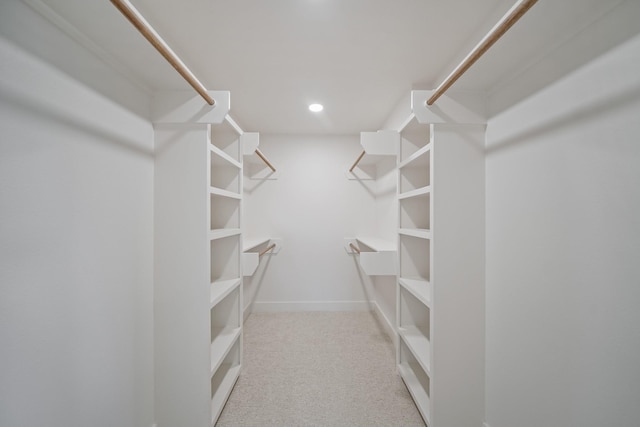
(507, 21)
(357, 161)
(138, 21)
(271, 246)
(264, 159)
(355, 248)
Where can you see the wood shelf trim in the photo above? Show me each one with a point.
(149, 33)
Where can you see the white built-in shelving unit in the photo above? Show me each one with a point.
(414, 292)
(376, 252)
(440, 287)
(225, 263)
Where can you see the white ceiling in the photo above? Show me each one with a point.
(357, 57)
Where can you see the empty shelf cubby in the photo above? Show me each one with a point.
(225, 212)
(414, 257)
(225, 258)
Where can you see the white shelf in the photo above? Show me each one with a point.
(221, 345)
(223, 232)
(224, 193)
(223, 391)
(221, 288)
(377, 257)
(415, 232)
(419, 288)
(252, 243)
(218, 152)
(419, 158)
(376, 244)
(417, 391)
(419, 346)
(415, 193)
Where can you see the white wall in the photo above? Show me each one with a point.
(563, 233)
(76, 247)
(312, 207)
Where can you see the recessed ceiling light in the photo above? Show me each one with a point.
(316, 108)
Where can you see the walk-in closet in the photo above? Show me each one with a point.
(319, 213)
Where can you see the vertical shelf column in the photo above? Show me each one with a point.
(225, 263)
(440, 292)
(414, 292)
(197, 201)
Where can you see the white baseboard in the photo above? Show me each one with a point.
(247, 312)
(389, 327)
(289, 306)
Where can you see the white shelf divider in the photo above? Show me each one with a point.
(221, 288)
(415, 193)
(415, 232)
(419, 288)
(223, 232)
(223, 391)
(221, 345)
(416, 156)
(224, 193)
(218, 152)
(417, 391)
(419, 346)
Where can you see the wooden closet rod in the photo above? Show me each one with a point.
(271, 246)
(138, 21)
(357, 161)
(507, 21)
(354, 247)
(264, 159)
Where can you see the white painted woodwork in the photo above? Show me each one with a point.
(377, 257)
(377, 146)
(255, 168)
(250, 262)
(440, 308)
(225, 263)
(198, 254)
(380, 143)
(182, 280)
(250, 142)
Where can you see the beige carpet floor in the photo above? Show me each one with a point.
(318, 369)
